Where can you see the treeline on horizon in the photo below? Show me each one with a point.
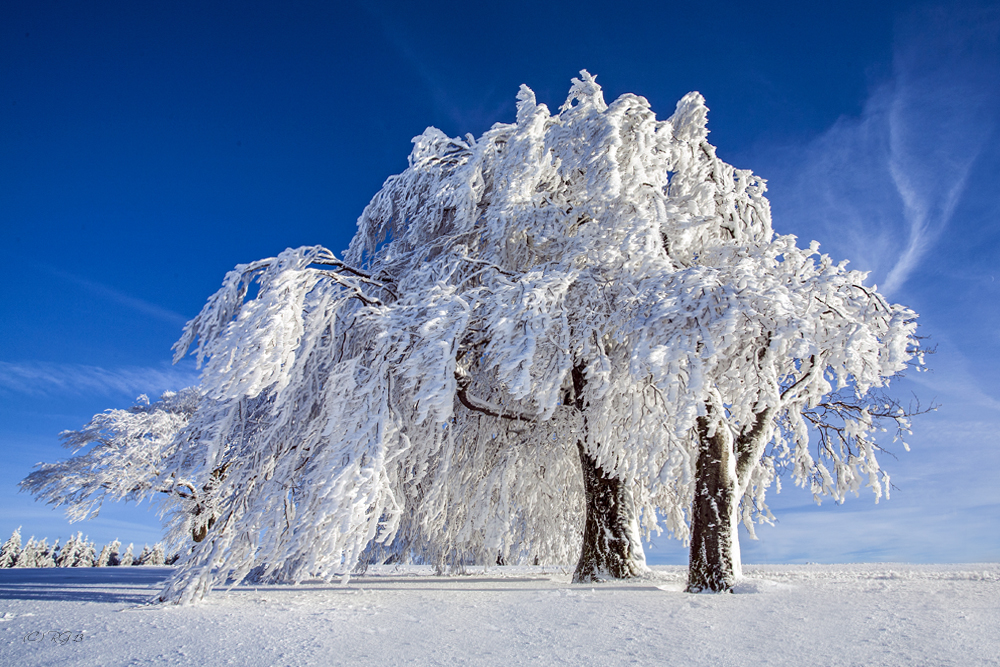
(78, 551)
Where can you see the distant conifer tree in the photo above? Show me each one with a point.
(11, 549)
(45, 556)
(29, 555)
(67, 555)
(127, 557)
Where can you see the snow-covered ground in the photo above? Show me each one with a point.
(884, 614)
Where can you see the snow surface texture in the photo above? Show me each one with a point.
(875, 614)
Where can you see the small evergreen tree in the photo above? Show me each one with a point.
(29, 555)
(127, 557)
(67, 555)
(86, 555)
(45, 555)
(157, 558)
(114, 558)
(11, 549)
(144, 557)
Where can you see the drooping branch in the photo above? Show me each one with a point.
(830, 418)
(295, 269)
(327, 258)
(786, 394)
(485, 407)
(356, 292)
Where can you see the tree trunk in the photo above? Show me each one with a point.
(714, 564)
(612, 545)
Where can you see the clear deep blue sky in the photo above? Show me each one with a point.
(146, 148)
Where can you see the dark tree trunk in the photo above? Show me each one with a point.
(714, 564)
(612, 547)
(611, 542)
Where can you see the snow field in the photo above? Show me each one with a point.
(882, 614)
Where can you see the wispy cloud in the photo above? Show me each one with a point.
(940, 113)
(882, 188)
(47, 379)
(120, 298)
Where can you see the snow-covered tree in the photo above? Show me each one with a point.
(109, 555)
(29, 554)
(537, 342)
(86, 554)
(150, 556)
(11, 549)
(78, 551)
(769, 356)
(69, 551)
(114, 558)
(636, 277)
(127, 558)
(46, 554)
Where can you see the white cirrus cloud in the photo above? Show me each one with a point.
(881, 188)
(48, 379)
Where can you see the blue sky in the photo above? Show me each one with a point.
(146, 148)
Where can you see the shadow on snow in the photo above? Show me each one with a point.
(133, 585)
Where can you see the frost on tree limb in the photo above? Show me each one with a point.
(129, 447)
(539, 343)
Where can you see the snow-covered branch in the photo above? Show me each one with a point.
(125, 461)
